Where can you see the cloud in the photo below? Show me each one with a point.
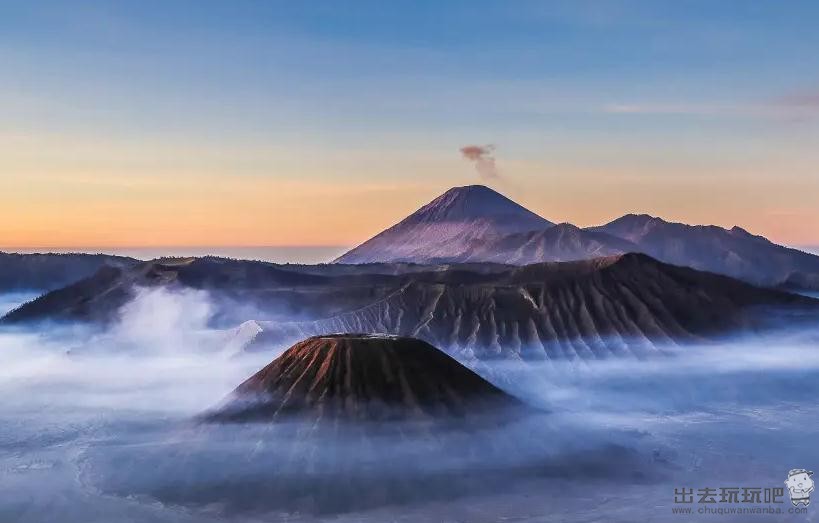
(668, 108)
(796, 106)
(483, 157)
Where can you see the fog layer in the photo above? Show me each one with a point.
(98, 426)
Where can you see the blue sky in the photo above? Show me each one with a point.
(698, 111)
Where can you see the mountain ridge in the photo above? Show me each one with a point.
(48, 271)
(561, 242)
(447, 230)
(590, 309)
(734, 252)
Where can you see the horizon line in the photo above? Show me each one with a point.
(172, 246)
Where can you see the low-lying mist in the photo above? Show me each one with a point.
(98, 425)
(11, 301)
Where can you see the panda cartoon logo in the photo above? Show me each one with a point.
(800, 485)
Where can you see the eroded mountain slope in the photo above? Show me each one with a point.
(628, 304)
(348, 378)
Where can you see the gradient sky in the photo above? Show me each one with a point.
(155, 123)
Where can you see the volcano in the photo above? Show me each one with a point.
(447, 228)
(362, 378)
(477, 225)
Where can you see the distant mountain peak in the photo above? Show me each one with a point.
(736, 230)
(473, 202)
(566, 226)
(448, 227)
(476, 187)
(640, 219)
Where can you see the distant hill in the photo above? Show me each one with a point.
(48, 271)
(444, 229)
(240, 286)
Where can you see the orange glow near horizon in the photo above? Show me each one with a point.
(167, 195)
(179, 212)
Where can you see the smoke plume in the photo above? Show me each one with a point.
(483, 157)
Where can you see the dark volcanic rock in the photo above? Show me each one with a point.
(622, 305)
(360, 377)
